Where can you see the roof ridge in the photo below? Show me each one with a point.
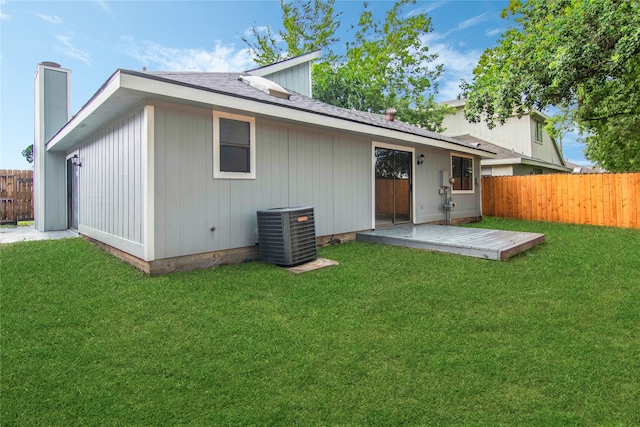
(228, 85)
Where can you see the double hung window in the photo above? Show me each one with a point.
(462, 173)
(538, 134)
(233, 146)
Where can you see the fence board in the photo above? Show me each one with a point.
(16, 196)
(635, 219)
(626, 204)
(598, 199)
(389, 191)
(599, 212)
(619, 198)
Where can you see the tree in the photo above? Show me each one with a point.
(27, 153)
(388, 64)
(580, 56)
(308, 26)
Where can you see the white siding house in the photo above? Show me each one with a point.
(522, 145)
(167, 170)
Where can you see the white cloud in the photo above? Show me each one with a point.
(434, 36)
(50, 19)
(474, 21)
(105, 7)
(66, 47)
(263, 31)
(221, 58)
(425, 9)
(493, 32)
(4, 16)
(458, 64)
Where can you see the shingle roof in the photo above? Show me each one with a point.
(501, 152)
(230, 84)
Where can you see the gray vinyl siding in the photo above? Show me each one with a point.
(545, 150)
(353, 199)
(295, 78)
(427, 183)
(295, 166)
(111, 184)
(50, 191)
(183, 166)
(55, 101)
(470, 205)
(55, 195)
(521, 170)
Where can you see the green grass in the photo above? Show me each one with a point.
(20, 224)
(390, 336)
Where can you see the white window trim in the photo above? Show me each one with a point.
(535, 132)
(66, 186)
(411, 150)
(473, 173)
(217, 173)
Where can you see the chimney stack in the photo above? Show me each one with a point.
(52, 112)
(390, 114)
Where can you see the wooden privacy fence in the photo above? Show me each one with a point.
(389, 191)
(598, 199)
(16, 196)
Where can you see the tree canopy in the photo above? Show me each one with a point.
(387, 64)
(580, 56)
(27, 153)
(308, 26)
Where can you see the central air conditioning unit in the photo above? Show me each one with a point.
(287, 236)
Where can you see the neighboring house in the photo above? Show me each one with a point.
(584, 169)
(522, 145)
(168, 169)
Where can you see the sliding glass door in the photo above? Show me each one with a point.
(392, 186)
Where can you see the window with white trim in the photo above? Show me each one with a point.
(234, 146)
(537, 136)
(462, 173)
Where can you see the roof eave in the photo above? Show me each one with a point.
(525, 161)
(65, 136)
(283, 65)
(126, 88)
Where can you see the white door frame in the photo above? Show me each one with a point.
(412, 150)
(66, 176)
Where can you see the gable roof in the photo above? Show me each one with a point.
(282, 65)
(126, 88)
(462, 102)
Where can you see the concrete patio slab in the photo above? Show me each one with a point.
(28, 233)
(475, 242)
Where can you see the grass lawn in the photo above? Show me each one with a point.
(390, 336)
(20, 224)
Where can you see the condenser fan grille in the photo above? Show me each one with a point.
(287, 236)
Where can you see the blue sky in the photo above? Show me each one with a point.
(94, 38)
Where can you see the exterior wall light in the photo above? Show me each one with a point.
(421, 159)
(75, 160)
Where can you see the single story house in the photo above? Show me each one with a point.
(168, 169)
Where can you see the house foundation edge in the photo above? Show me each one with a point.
(223, 257)
(202, 260)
